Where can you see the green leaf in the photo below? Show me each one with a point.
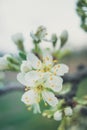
(62, 54)
(82, 89)
(22, 55)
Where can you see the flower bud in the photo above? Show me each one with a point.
(3, 63)
(68, 111)
(41, 32)
(18, 39)
(44, 114)
(64, 37)
(54, 39)
(57, 116)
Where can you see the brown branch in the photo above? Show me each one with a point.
(9, 89)
(77, 76)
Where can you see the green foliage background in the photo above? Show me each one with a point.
(15, 116)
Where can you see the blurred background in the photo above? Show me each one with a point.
(25, 16)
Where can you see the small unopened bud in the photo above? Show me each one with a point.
(44, 114)
(57, 116)
(41, 32)
(49, 116)
(68, 111)
(64, 38)
(54, 39)
(18, 39)
(4, 63)
(29, 108)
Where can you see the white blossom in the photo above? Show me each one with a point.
(37, 84)
(42, 79)
(47, 64)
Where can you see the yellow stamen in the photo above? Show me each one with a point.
(55, 61)
(47, 58)
(55, 73)
(50, 99)
(26, 88)
(58, 66)
(51, 78)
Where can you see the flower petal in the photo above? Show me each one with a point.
(21, 78)
(36, 108)
(68, 111)
(60, 69)
(47, 59)
(54, 82)
(50, 98)
(25, 66)
(32, 76)
(35, 62)
(29, 97)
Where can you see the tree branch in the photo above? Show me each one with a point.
(9, 89)
(77, 76)
(74, 79)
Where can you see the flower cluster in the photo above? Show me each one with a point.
(59, 114)
(42, 79)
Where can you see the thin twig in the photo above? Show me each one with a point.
(76, 77)
(9, 89)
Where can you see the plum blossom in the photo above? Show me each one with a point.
(42, 80)
(39, 87)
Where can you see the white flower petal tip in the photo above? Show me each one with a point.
(57, 116)
(68, 111)
(54, 83)
(21, 78)
(60, 69)
(50, 98)
(29, 97)
(29, 78)
(35, 62)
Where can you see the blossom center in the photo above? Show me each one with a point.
(46, 69)
(39, 88)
